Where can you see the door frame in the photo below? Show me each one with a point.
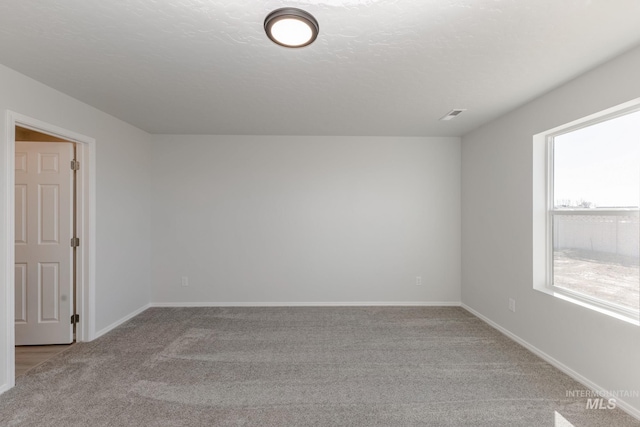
(85, 220)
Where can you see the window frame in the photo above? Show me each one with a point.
(544, 212)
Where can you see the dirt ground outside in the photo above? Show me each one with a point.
(613, 278)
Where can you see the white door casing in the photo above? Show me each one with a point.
(43, 253)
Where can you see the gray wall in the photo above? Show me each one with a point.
(497, 233)
(122, 197)
(257, 219)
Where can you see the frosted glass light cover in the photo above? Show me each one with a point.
(291, 32)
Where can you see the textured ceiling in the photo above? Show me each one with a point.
(378, 67)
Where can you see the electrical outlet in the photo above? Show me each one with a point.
(418, 280)
(185, 281)
(512, 305)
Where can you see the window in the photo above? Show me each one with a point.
(591, 230)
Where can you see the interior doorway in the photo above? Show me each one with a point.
(20, 127)
(45, 218)
(45, 237)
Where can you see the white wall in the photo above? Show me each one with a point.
(257, 219)
(497, 233)
(122, 185)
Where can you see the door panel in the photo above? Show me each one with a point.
(21, 214)
(49, 292)
(44, 227)
(48, 211)
(21, 293)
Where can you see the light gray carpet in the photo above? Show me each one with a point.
(391, 366)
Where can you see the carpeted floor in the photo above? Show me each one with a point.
(365, 366)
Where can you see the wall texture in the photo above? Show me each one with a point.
(257, 219)
(497, 233)
(123, 192)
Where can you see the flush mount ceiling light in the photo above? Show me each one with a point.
(291, 27)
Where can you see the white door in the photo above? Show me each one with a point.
(44, 257)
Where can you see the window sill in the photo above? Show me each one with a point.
(583, 302)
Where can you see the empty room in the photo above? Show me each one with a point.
(327, 212)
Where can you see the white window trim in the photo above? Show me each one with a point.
(543, 215)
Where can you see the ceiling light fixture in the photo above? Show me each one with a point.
(291, 27)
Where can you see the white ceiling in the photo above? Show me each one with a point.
(378, 67)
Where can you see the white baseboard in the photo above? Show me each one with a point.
(629, 409)
(310, 304)
(4, 387)
(119, 322)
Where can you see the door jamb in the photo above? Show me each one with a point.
(85, 220)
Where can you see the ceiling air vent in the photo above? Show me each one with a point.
(453, 114)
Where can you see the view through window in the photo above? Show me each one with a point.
(595, 188)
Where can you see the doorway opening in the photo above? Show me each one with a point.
(45, 254)
(21, 128)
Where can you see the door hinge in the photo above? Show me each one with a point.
(75, 242)
(75, 318)
(75, 165)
